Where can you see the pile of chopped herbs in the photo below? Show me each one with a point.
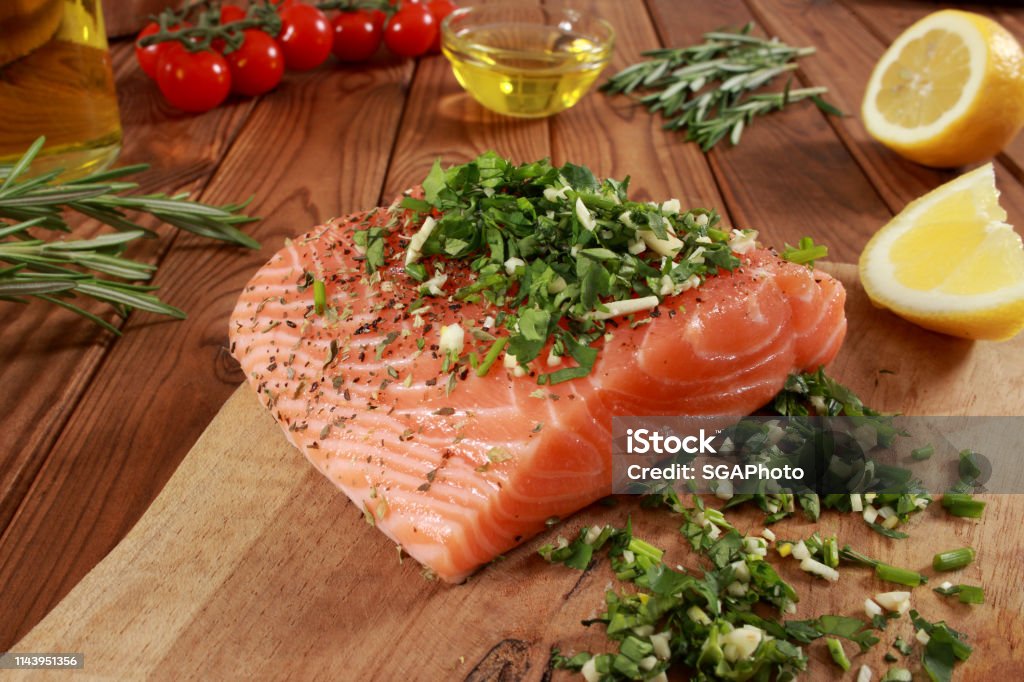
(726, 620)
(553, 253)
(700, 619)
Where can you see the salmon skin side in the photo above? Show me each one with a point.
(458, 468)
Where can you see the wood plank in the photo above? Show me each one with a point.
(444, 122)
(790, 176)
(54, 354)
(247, 534)
(164, 380)
(615, 138)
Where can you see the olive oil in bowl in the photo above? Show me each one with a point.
(526, 61)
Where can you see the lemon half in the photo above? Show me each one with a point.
(949, 91)
(950, 262)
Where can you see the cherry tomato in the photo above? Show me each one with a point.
(411, 31)
(356, 36)
(306, 36)
(149, 57)
(439, 9)
(229, 13)
(193, 81)
(257, 66)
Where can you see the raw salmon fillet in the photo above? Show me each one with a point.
(458, 468)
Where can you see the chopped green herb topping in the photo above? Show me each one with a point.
(805, 253)
(561, 249)
(319, 297)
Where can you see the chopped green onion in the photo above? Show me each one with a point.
(830, 552)
(849, 554)
(971, 594)
(968, 467)
(805, 253)
(963, 505)
(416, 271)
(901, 576)
(888, 532)
(902, 646)
(835, 648)
(967, 594)
(492, 355)
(922, 453)
(893, 574)
(953, 559)
(897, 675)
(319, 297)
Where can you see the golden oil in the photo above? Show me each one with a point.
(525, 69)
(56, 80)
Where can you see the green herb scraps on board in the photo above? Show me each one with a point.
(707, 89)
(718, 621)
(725, 620)
(57, 271)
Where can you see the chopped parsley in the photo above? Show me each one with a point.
(717, 620)
(560, 250)
(945, 647)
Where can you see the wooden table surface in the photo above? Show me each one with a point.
(93, 425)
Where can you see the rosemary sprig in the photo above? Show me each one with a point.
(98, 196)
(706, 88)
(56, 271)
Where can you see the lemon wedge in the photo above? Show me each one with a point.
(949, 91)
(950, 262)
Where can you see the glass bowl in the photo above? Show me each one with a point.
(524, 59)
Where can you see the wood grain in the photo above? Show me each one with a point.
(790, 176)
(105, 471)
(50, 354)
(442, 121)
(247, 534)
(97, 427)
(615, 138)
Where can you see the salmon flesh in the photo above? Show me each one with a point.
(458, 468)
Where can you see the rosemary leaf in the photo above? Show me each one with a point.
(708, 89)
(55, 271)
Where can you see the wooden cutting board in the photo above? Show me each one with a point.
(251, 565)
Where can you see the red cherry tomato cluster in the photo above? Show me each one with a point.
(202, 79)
